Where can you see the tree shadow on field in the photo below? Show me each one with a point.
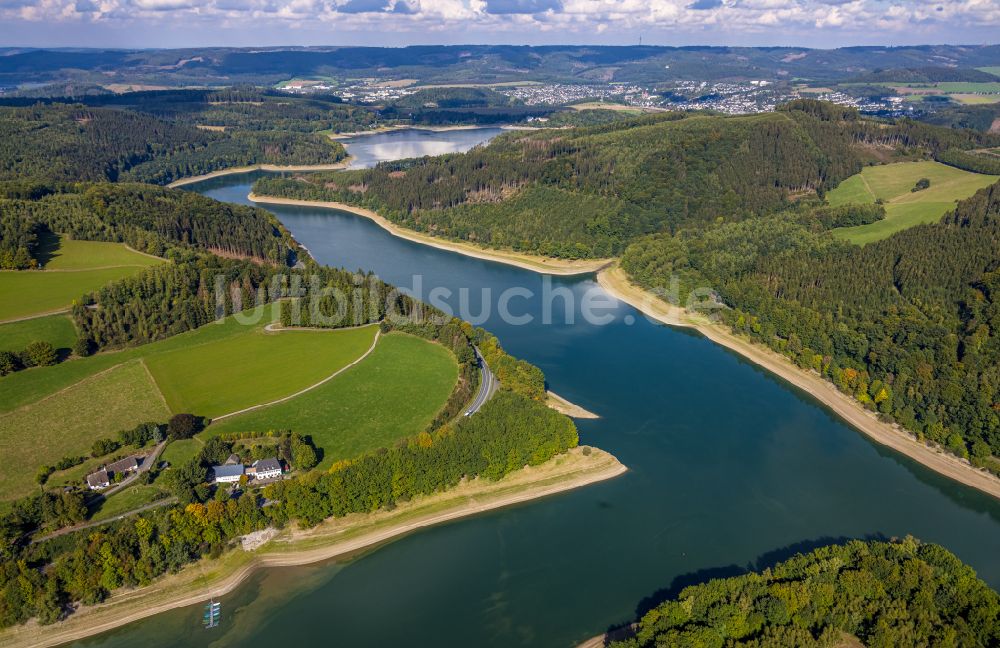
(47, 249)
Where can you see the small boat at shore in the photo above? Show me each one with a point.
(213, 612)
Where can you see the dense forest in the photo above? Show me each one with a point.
(909, 325)
(72, 143)
(150, 219)
(588, 192)
(902, 593)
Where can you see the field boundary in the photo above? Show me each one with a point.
(336, 373)
(35, 316)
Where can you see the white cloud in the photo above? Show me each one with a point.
(886, 18)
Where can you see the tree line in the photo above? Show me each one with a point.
(900, 593)
(589, 192)
(909, 325)
(72, 142)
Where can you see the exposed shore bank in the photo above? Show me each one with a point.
(261, 167)
(563, 406)
(616, 283)
(335, 538)
(544, 265)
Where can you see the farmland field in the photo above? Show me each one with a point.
(57, 330)
(393, 393)
(223, 376)
(212, 370)
(904, 208)
(69, 421)
(72, 269)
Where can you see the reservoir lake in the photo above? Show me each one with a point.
(730, 468)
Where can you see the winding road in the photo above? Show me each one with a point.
(488, 385)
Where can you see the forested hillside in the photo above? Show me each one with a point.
(909, 325)
(862, 593)
(72, 143)
(588, 192)
(150, 219)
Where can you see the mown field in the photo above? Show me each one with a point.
(67, 422)
(57, 330)
(57, 411)
(223, 376)
(904, 208)
(393, 393)
(71, 269)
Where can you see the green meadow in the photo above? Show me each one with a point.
(223, 376)
(68, 421)
(213, 370)
(393, 393)
(57, 330)
(904, 208)
(71, 269)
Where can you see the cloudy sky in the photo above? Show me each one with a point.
(178, 23)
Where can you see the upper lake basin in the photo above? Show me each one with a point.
(730, 468)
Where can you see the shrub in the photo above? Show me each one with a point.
(40, 354)
(184, 426)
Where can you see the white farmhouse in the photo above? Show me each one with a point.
(228, 474)
(266, 469)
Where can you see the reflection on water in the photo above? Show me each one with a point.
(729, 468)
(367, 150)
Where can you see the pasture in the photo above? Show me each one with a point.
(71, 269)
(213, 370)
(57, 330)
(904, 208)
(68, 421)
(258, 366)
(393, 393)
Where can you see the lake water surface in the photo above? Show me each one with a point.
(730, 469)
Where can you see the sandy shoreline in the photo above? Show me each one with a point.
(543, 265)
(260, 167)
(335, 538)
(616, 283)
(563, 406)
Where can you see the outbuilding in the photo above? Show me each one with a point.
(229, 474)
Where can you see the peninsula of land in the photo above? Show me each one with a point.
(336, 538)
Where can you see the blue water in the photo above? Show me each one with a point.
(729, 468)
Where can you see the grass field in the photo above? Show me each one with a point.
(393, 393)
(58, 330)
(72, 269)
(904, 208)
(68, 421)
(216, 369)
(125, 500)
(182, 451)
(223, 376)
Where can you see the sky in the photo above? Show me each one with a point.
(189, 23)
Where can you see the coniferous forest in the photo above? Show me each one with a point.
(902, 593)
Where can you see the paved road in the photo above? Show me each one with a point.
(488, 385)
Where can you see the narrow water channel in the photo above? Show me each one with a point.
(730, 469)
